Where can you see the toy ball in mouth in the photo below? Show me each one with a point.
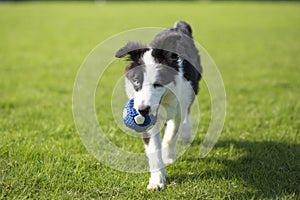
(135, 120)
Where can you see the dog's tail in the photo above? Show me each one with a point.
(184, 27)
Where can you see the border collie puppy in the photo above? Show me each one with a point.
(163, 75)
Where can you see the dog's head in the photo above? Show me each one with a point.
(153, 69)
(149, 75)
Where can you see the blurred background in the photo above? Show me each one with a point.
(255, 45)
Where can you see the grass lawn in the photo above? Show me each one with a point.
(256, 47)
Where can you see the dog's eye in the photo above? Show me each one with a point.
(136, 82)
(157, 85)
(174, 56)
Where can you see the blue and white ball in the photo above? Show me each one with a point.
(134, 120)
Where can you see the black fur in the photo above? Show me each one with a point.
(173, 43)
(184, 27)
(146, 138)
(166, 58)
(135, 69)
(135, 73)
(134, 49)
(191, 74)
(167, 47)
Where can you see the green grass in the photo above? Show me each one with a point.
(256, 47)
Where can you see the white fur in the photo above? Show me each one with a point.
(149, 95)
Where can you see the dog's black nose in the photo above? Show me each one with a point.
(144, 110)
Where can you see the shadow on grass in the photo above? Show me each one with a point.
(271, 169)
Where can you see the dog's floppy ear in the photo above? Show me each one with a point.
(133, 49)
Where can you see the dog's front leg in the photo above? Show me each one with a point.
(169, 142)
(152, 142)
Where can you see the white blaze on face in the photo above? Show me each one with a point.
(149, 95)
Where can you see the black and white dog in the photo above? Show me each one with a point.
(164, 75)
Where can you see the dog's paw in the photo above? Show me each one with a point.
(168, 156)
(187, 139)
(168, 160)
(157, 181)
(152, 186)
